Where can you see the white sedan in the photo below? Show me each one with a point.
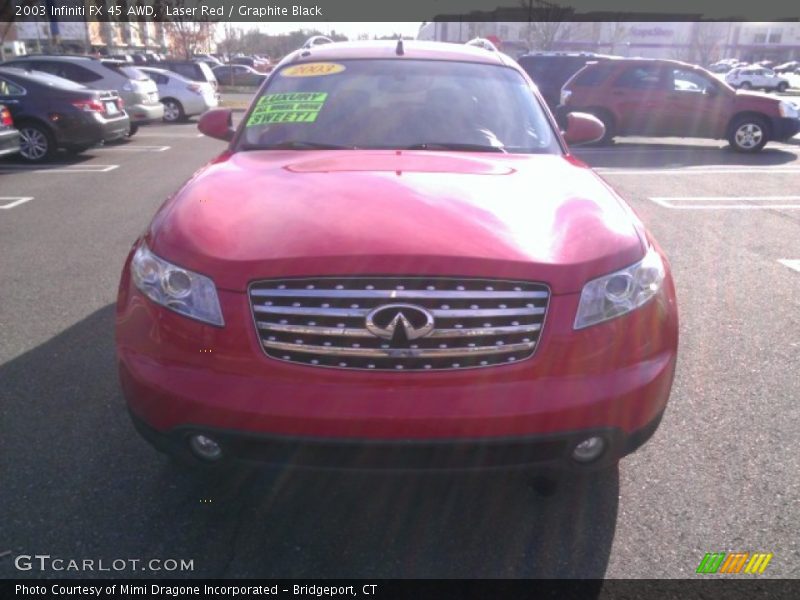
(756, 78)
(180, 96)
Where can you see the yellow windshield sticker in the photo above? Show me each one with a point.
(312, 69)
(299, 107)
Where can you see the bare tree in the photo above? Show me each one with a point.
(546, 24)
(706, 42)
(232, 39)
(543, 35)
(617, 32)
(186, 36)
(189, 37)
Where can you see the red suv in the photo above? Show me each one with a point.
(648, 97)
(397, 263)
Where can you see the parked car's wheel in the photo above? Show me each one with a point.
(748, 133)
(132, 130)
(608, 122)
(783, 86)
(745, 85)
(36, 142)
(173, 110)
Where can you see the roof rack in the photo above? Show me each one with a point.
(482, 43)
(317, 40)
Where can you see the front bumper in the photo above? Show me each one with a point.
(784, 128)
(549, 451)
(181, 376)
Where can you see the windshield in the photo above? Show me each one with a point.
(399, 104)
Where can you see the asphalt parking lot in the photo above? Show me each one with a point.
(721, 474)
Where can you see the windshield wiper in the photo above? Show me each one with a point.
(455, 146)
(296, 145)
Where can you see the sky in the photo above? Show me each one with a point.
(351, 30)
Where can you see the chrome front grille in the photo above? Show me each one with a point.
(324, 321)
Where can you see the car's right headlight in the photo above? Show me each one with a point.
(788, 110)
(184, 291)
(621, 292)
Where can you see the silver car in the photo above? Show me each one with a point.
(181, 97)
(139, 93)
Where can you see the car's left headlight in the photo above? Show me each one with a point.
(788, 110)
(620, 292)
(186, 292)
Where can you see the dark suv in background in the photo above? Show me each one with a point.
(551, 70)
(196, 70)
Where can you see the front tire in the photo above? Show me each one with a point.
(173, 111)
(782, 87)
(37, 144)
(745, 85)
(749, 134)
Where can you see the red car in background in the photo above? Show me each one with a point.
(397, 263)
(660, 98)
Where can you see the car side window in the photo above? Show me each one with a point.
(685, 80)
(79, 74)
(10, 89)
(48, 67)
(641, 77)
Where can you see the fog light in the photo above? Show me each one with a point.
(205, 447)
(589, 449)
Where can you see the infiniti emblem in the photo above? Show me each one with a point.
(400, 322)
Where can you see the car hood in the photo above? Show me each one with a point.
(261, 214)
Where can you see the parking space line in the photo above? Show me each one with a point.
(727, 202)
(792, 264)
(135, 148)
(169, 135)
(93, 168)
(13, 201)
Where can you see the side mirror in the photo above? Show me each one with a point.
(583, 128)
(217, 123)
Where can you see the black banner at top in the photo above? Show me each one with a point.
(407, 10)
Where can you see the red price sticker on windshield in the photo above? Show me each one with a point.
(312, 69)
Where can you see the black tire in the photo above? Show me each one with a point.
(173, 111)
(748, 133)
(132, 130)
(37, 144)
(783, 86)
(745, 85)
(608, 122)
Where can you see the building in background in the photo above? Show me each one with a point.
(700, 42)
(111, 37)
